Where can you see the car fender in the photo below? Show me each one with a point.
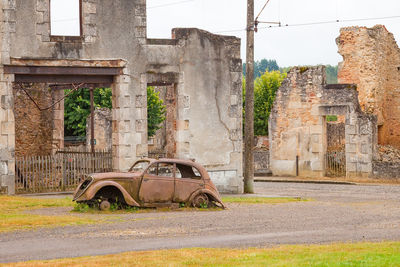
(92, 191)
(208, 192)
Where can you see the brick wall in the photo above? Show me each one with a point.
(371, 58)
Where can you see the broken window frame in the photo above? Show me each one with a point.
(71, 38)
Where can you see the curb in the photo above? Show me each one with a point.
(303, 181)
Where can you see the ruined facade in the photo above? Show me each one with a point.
(203, 69)
(371, 60)
(298, 126)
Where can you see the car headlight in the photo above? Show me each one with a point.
(83, 186)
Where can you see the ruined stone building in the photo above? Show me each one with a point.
(366, 105)
(201, 70)
(298, 126)
(371, 60)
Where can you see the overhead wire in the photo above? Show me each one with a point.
(171, 4)
(281, 25)
(329, 22)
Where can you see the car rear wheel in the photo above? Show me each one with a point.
(201, 201)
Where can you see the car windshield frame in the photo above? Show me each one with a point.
(131, 169)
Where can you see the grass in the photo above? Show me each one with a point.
(14, 213)
(357, 254)
(261, 200)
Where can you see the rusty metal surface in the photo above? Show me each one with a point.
(117, 63)
(163, 182)
(51, 70)
(101, 79)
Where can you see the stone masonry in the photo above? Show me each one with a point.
(102, 129)
(204, 70)
(298, 125)
(38, 132)
(371, 59)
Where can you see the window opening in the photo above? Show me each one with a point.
(65, 17)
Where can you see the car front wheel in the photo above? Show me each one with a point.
(201, 201)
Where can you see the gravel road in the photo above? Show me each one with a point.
(337, 213)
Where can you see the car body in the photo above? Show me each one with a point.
(151, 183)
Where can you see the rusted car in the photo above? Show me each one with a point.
(151, 183)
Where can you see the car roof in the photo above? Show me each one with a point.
(180, 161)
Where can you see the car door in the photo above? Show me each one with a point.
(157, 183)
(187, 181)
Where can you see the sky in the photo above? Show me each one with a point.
(289, 46)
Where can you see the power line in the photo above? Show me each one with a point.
(329, 22)
(281, 25)
(171, 4)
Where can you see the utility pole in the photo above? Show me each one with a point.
(249, 118)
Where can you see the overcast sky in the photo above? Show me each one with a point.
(297, 45)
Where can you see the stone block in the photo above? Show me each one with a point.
(316, 165)
(141, 125)
(351, 129)
(182, 124)
(89, 8)
(141, 150)
(141, 101)
(3, 168)
(316, 148)
(351, 148)
(366, 149)
(351, 167)
(316, 129)
(7, 127)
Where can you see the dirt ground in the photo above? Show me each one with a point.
(337, 213)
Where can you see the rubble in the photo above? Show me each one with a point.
(388, 154)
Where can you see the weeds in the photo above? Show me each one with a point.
(81, 207)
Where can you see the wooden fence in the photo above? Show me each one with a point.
(62, 171)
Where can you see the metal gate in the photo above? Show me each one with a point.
(62, 171)
(335, 157)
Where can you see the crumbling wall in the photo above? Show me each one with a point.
(37, 132)
(371, 59)
(298, 125)
(207, 71)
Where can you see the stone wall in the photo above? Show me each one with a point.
(371, 59)
(102, 129)
(34, 128)
(386, 170)
(206, 71)
(298, 125)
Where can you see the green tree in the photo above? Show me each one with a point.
(261, 66)
(265, 88)
(155, 111)
(331, 74)
(77, 109)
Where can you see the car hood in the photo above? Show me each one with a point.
(112, 175)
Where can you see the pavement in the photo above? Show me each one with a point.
(335, 213)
